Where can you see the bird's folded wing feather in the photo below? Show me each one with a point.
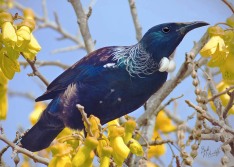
(85, 69)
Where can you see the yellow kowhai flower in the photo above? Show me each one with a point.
(85, 154)
(8, 64)
(65, 132)
(157, 150)
(94, 126)
(135, 147)
(216, 49)
(36, 113)
(1, 42)
(230, 20)
(215, 31)
(115, 134)
(26, 162)
(3, 96)
(129, 126)
(229, 41)
(151, 164)
(227, 69)
(61, 155)
(29, 14)
(25, 28)
(66, 136)
(9, 36)
(5, 4)
(60, 149)
(32, 48)
(24, 36)
(64, 161)
(224, 98)
(103, 142)
(11, 53)
(163, 123)
(105, 158)
(217, 58)
(211, 46)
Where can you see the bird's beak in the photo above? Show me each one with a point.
(186, 27)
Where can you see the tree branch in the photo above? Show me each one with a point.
(46, 63)
(35, 71)
(83, 24)
(159, 142)
(213, 90)
(229, 5)
(221, 93)
(21, 94)
(175, 119)
(229, 105)
(30, 154)
(162, 107)
(209, 118)
(137, 25)
(85, 118)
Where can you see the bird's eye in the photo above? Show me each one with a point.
(165, 29)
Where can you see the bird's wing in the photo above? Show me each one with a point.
(90, 65)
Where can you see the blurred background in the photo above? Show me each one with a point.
(110, 24)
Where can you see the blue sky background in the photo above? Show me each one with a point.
(110, 24)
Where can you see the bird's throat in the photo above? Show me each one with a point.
(136, 60)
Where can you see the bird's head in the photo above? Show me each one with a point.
(162, 40)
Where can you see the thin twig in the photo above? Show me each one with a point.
(200, 62)
(230, 140)
(30, 154)
(84, 118)
(89, 12)
(44, 22)
(162, 107)
(229, 5)
(175, 119)
(65, 49)
(177, 161)
(44, 8)
(158, 142)
(71, 137)
(209, 118)
(221, 93)
(215, 137)
(6, 148)
(21, 94)
(91, 4)
(137, 25)
(46, 63)
(229, 105)
(214, 91)
(35, 71)
(83, 24)
(144, 139)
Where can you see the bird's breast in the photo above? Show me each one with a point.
(114, 95)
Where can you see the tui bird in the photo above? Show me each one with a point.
(109, 82)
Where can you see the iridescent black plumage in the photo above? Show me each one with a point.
(109, 82)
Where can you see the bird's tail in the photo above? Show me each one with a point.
(44, 131)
